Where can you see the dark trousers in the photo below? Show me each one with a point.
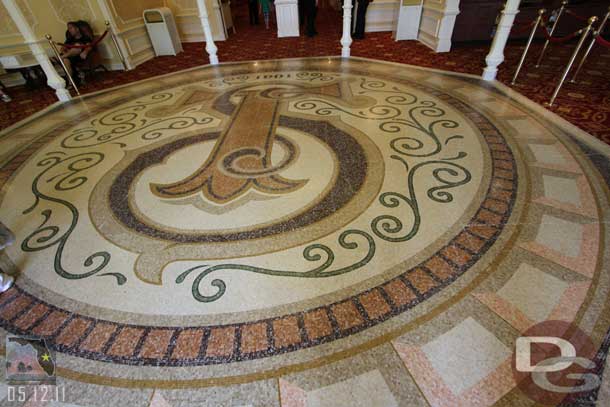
(309, 7)
(253, 8)
(360, 19)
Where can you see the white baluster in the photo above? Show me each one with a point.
(210, 47)
(53, 79)
(346, 39)
(496, 53)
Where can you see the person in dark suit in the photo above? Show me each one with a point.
(360, 19)
(253, 9)
(310, 7)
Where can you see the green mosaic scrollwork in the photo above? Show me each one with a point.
(447, 173)
(125, 122)
(313, 253)
(423, 143)
(322, 107)
(68, 176)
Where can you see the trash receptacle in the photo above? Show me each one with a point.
(162, 31)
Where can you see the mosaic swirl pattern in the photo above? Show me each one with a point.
(273, 215)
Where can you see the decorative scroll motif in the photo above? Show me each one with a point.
(393, 121)
(412, 124)
(313, 252)
(124, 122)
(66, 172)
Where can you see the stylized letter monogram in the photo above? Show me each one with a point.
(241, 158)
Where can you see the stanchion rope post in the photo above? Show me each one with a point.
(583, 37)
(527, 46)
(546, 43)
(600, 29)
(61, 61)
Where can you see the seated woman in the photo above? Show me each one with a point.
(73, 55)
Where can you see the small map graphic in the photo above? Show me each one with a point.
(29, 361)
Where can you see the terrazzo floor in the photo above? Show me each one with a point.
(308, 232)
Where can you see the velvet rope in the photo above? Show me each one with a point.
(84, 46)
(557, 39)
(601, 41)
(561, 39)
(576, 16)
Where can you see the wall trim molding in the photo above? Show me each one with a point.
(142, 56)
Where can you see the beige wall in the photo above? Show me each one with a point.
(128, 16)
(186, 14)
(187, 19)
(129, 13)
(51, 17)
(10, 38)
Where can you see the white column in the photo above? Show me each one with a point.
(53, 79)
(120, 42)
(210, 47)
(437, 23)
(407, 23)
(496, 53)
(346, 39)
(287, 15)
(217, 10)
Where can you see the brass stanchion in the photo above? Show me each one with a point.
(583, 37)
(116, 45)
(527, 46)
(61, 61)
(546, 43)
(586, 54)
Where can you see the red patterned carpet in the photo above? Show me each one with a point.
(586, 104)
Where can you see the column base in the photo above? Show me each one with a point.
(489, 74)
(63, 95)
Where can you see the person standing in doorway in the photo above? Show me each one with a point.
(253, 10)
(360, 19)
(310, 8)
(265, 11)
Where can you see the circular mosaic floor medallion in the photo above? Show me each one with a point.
(275, 215)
